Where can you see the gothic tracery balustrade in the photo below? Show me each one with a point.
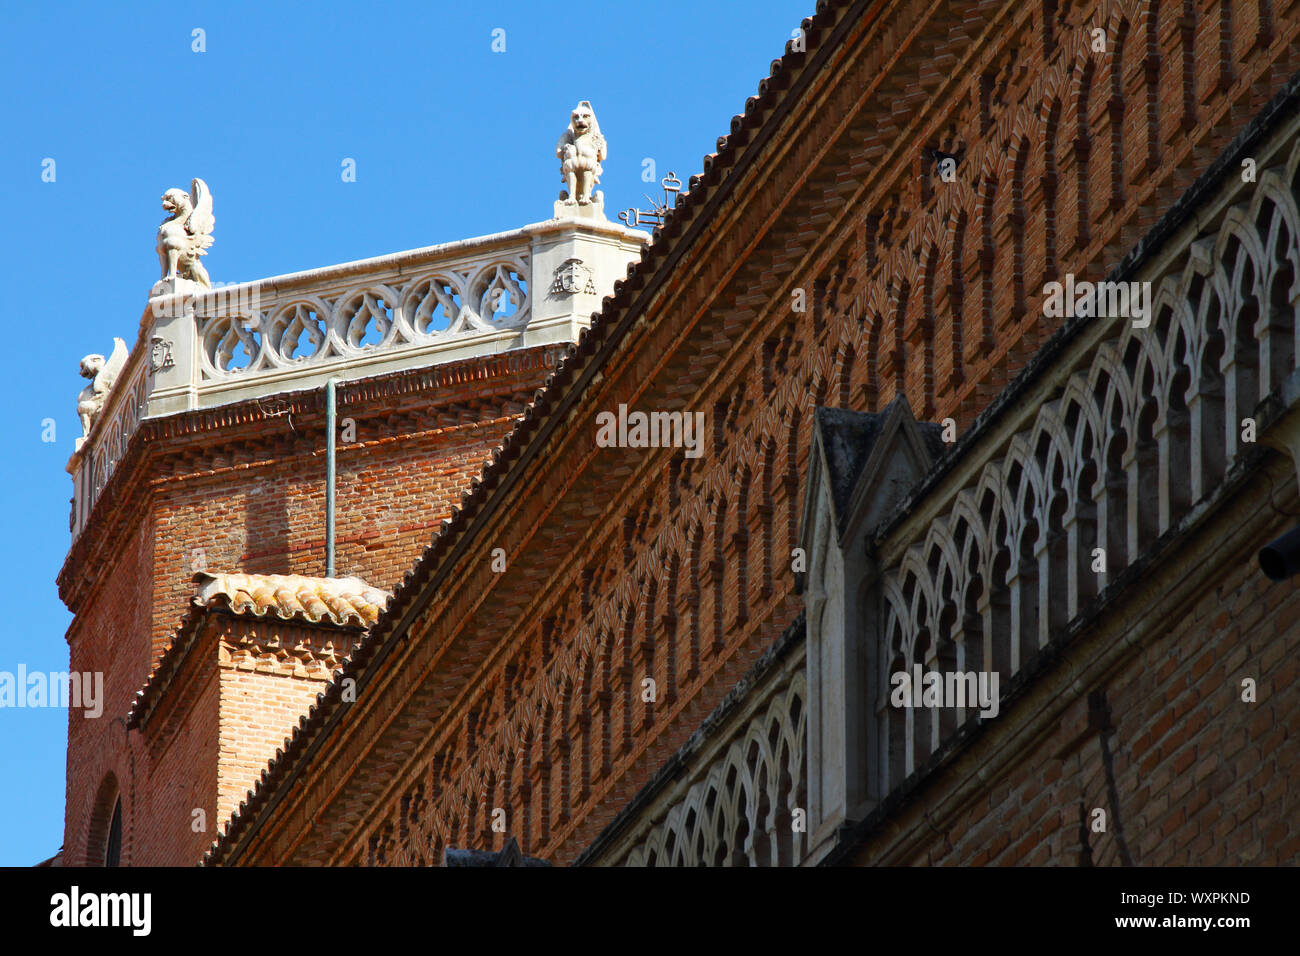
(741, 809)
(123, 414)
(1146, 426)
(242, 334)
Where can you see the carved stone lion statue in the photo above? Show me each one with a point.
(186, 234)
(102, 374)
(580, 152)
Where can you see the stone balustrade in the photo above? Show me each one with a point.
(199, 348)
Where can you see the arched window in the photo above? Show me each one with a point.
(113, 853)
(104, 840)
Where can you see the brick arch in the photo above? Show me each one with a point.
(627, 677)
(988, 257)
(1053, 110)
(718, 566)
(931, 257)
(695, 595)
(1120, 35)
(793, 444)
(107, 795)
(1079, 119)
(845, 357)
(873, 336)
(960, 258)
(896, 332)
(568, 721)
(1147, 22)
(742, 540)
(1017, 218)
(546, 765)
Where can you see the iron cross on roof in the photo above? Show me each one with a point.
(655, 217)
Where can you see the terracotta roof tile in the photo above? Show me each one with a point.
(340, 602)
(292, 597)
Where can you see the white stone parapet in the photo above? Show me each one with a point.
(200, 348)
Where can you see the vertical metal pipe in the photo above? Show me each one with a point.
(331, 428)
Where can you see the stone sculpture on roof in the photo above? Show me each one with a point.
(580, 151)
(102, 374)
(186, 234)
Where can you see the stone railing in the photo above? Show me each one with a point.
(1032, 527)
(200, 348)
(95, 461)
(430, 307)
(1143, 431)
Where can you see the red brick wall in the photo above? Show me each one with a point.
(1203, 777)
(176, 763)
(258, 710)
(682, 570)
(108, 641)
(393, 491)
(250, 493)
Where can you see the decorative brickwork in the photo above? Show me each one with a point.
(523, 690)
(876, 231)
(242, 487)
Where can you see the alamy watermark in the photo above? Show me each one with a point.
(82, 690)
(128, 910)
(223, 298)
(1105, 300)
(934, 689)
(651, 430)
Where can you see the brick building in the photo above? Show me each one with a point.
(911, 459)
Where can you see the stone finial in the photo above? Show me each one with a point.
(102, 374)
(186, 234)
(580, 151)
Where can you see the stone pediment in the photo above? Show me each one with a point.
(863, 463)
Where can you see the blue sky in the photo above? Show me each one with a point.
(450, 140)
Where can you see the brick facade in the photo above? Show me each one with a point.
(627, 565)
(1201, 777)
(243, 488)
(524, 689)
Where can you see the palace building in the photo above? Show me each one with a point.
(970, 356)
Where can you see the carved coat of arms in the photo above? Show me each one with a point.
(572, 277)
(160, 356)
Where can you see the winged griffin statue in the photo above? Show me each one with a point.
(580, 151)
(102, 373)
(187, 233)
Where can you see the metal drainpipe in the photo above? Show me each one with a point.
(331, 428)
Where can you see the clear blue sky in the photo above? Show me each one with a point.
(450, 139)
